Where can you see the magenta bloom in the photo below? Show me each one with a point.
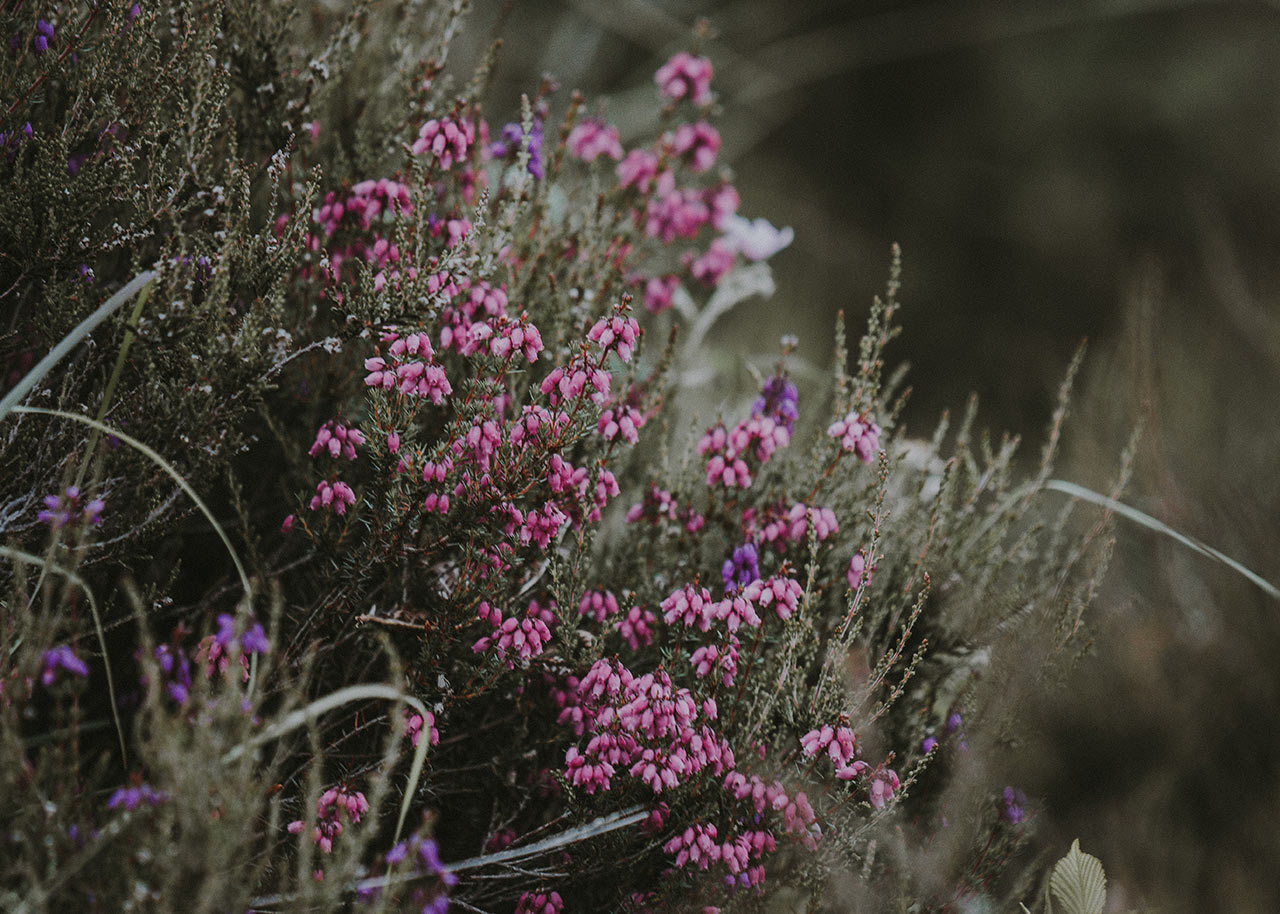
(446, 139)
(685, 76)
(335, 496)
(591, 139)
(858, 435)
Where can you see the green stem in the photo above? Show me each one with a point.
(107, 395)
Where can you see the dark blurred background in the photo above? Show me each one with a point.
(1053, 170)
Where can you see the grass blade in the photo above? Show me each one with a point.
(18, 555)
(68, 342)
(1146, 520)
(296, 719)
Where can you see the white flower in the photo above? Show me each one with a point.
(755, 240)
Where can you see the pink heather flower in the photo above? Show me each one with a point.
(675, 213)
(337, 440)
(621, 420)
(783, 593)
(415, 726)
(540, 903)
(335, 495)
(857, 435)
(618, 333)
(697, 845)
(445, 139)
(711, 266)
(711, 658)
(723, 200)
(564, 477)
(685, 76)
(857, 565)
(522, 638)
(598, 605)
(514, 338)
(334, 804)
(606, 487)
(692, 608)
(415, 345)
(636, 627)
(638, 170)
(780, 527)
(435, 471)
(423, 380)
(657, 504)
(659, 292)
(697, 143)
(393, 442)
(840, 743)
(571, 383)
(883, 784)
(591, 139)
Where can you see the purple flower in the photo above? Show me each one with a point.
(741, 569)
(44, 35)
(928, 745)
(779, 400)
(132, 797)
(226, 630)
(177, 669)
(1013, 803)
(509, 145)
(954, 722)
(61, 657)
(254, 640)
(65, 509)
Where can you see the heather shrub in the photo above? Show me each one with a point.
(355, 556)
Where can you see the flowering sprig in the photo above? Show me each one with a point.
(61, 657)
(857, 435)
(334, 805)
(685, 76)
(66, 509)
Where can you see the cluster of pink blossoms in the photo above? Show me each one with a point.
(446, 139)
(659, 504)
(685, 76)
(333, 804)
(478, 319)
(416, 726)
(540, 903)
(336, 496)
(351, 227)
(412, 370)
(858, 435)
(514, 638)
(727, 452)
(798, 817)
(694, 608)
(840, 745)
(598, 605)
(643, 725)
(591, 138)
(337, 439)
(779, 526)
